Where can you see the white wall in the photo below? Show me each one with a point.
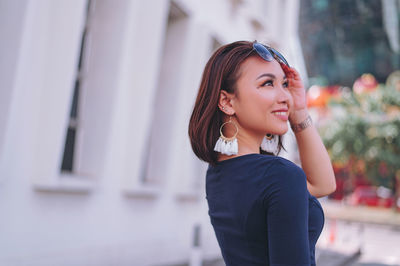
(138, 190)
(12, 20)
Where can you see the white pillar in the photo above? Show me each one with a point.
(139, 65)
(12, 21)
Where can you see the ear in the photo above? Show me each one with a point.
(225, 101)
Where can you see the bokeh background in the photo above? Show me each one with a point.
(95, 97)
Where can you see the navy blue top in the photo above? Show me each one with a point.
(262, 212)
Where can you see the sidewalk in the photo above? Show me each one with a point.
(340, 253)
(363, 214)
(325, 258)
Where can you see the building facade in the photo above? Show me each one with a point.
(95, 97)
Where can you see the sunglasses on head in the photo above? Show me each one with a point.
(267, 53)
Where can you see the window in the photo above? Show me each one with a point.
(161, 138)
(170, 158)
(72, 137)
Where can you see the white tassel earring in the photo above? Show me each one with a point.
(270, 143)
(224, 145)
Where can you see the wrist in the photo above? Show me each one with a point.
(298, 116)
(303, 124)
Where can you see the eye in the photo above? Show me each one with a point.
(269, 82)
(286, 84)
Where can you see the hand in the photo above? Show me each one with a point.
(298, 111)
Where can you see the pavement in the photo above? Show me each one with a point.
(325, 258)
(331, 252)
(358, 235)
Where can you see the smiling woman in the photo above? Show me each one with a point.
(263, 208)
(262, 102)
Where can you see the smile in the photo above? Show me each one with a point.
(280, 113)
(283, 115)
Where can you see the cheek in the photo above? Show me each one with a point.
(252, 109)
(266, 100)
(260, 108)
(260, 101)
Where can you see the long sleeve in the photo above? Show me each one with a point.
(286, 206)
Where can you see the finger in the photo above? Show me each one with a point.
(295, 73)
(286, 70)
(289, 71)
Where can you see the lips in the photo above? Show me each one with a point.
(282, 114)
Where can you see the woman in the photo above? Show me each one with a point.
(263, 207)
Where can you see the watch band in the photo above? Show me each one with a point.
(301, 126)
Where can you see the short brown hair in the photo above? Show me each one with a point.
(220, 73)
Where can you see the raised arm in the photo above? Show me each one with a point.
(314, 158)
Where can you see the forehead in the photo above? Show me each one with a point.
(254, 66)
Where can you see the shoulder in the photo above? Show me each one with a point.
(282, 168)
(287, 167)
(285, 180)
(261, 167)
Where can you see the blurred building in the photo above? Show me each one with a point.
(95, 98)
(344, 39)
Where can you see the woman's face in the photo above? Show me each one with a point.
(262, 100)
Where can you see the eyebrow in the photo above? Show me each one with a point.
(268, 75)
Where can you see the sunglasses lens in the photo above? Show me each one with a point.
(279, 55)
(263, 52)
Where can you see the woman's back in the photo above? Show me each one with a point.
(262, 212)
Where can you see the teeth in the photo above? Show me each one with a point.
(280, 113)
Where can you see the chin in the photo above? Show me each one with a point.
(279, 131)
